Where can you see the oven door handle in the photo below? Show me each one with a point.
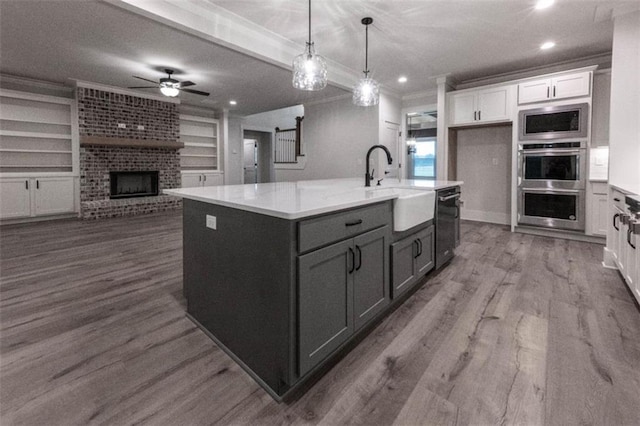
(552, 190)
(551, 152)
(449, 197)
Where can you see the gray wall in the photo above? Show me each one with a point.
(484, 164)
(336, 137)
(284, 118)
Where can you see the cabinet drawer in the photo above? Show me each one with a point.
(325, 230)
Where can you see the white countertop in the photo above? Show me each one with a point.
(295, 200)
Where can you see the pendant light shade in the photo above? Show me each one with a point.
(309, 68)
(366, 92)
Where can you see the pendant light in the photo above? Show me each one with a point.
(367, 91)
(309, 68)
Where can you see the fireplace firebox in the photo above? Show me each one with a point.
(133, 184)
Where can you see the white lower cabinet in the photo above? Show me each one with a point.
(15, 198)
(598, 220)
(192, 180)
(42, 196)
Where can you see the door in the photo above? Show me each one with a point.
(370, 277)
(493, 104)
(191, 180)
(54, 196)
(391, 139)
(402, 265)
(534, 91)
(463, 108)
(15, 199)
(568, 86)
(250, 162)
(325, 307)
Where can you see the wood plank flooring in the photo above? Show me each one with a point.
(517, 329)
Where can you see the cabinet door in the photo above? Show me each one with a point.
(54, 196)
(211, 179)
(325, 307)
(637, 280)
(614, 217)
(370, 280)
(622, 247)
(425, 259)
(599, 214)
(493, 104)
(403, 272)
(631, 242)
(534, 91)
(571, 86)
(15, 199)
(191, 180)
(463, 108)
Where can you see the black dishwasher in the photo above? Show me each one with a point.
(447, 224)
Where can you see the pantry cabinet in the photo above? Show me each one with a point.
(473, 107)
(555, 88)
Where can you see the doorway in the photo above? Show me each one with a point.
(258, 156)
(421, 145)
(250, 161)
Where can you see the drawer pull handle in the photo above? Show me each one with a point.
(616, 199)
(615, 216)
(419, 247)
(629, 231)
(354, 223)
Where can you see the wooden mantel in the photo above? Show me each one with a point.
(145, 143)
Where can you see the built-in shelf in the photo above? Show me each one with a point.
(145, 143)
(200, 136)
(34, 135)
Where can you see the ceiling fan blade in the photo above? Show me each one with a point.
(143, 87)
(195, 92)
(187, 83)
(145, 79)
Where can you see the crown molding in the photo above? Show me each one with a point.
(29, 82)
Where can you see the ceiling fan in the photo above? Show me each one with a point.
(170, 86)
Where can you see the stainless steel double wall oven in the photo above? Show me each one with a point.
(552, 171)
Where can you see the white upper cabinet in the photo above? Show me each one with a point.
(552, 88)
(480, 106)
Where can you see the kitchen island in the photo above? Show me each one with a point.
(286, 276)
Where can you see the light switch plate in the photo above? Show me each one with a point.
(211, 222)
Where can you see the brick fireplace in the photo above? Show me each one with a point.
(124, 133)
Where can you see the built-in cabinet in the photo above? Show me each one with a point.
(341, 288)
(31, 197)
(38, 155)
(625, 237)
(191, 179)
(199, 159)
(411, 258)
(598, 218)
(555, 88)
(473, 107)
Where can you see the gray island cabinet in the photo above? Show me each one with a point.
(287, 294)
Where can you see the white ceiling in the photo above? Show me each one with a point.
(107, 43)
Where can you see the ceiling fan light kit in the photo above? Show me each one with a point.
(169, 86)
(366, 92)
(309, 68)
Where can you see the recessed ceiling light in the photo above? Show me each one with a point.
(547, 45)
(233, 103)
(543, 4)
(402, 79)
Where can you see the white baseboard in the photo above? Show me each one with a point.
(482, 216)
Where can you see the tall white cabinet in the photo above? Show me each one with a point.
(200, 157)
(39, 155)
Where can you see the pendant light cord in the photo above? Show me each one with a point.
(309, 22)
(366, 50)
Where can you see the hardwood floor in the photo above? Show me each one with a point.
(518, 329)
